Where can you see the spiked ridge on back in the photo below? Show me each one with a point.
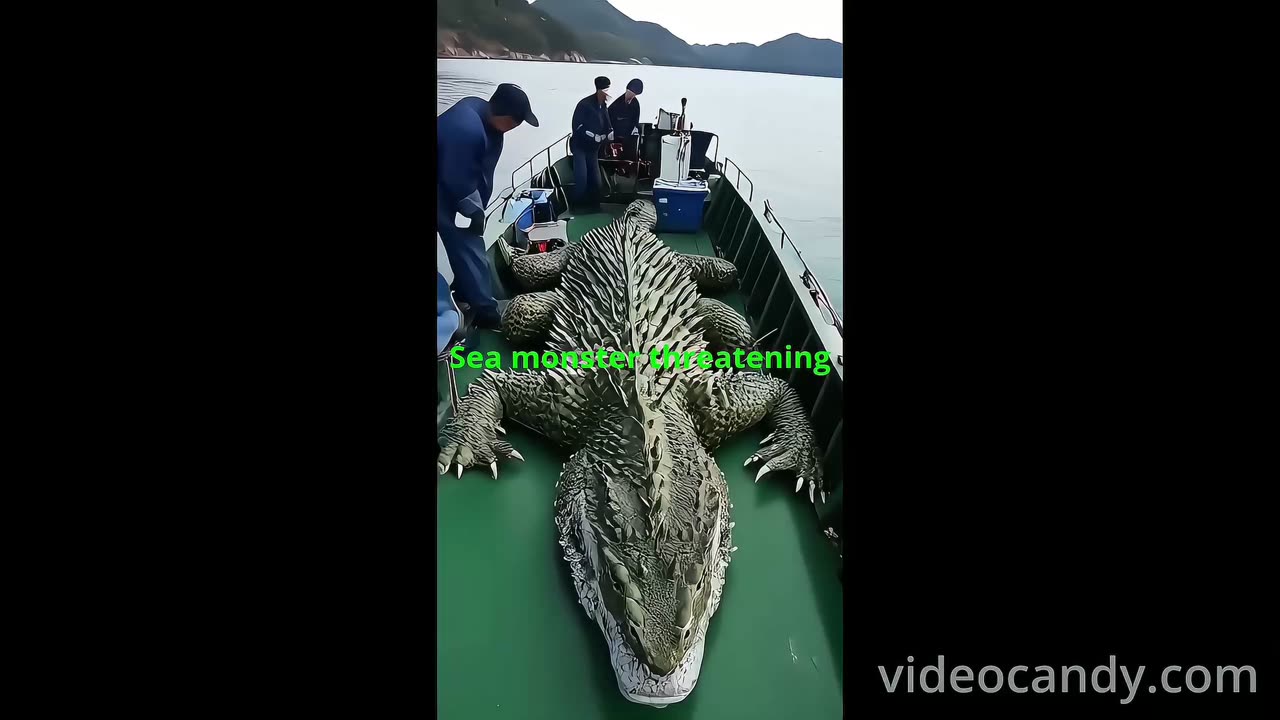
(625, 291)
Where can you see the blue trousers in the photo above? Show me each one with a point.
(586, 173)
(446, 318)
(471, 274)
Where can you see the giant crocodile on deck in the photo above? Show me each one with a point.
(642, 509)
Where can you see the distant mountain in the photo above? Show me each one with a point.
(596, 30)
(794, 54)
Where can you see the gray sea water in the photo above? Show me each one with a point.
(785, 131)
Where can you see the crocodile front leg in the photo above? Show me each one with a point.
(534, 400)
(726, 403)
(722, 327)
(527, 318)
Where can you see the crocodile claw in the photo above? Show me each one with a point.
(750, 460)
(501, 430)
(763, 470)
(468, 445)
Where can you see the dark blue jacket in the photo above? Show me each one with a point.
(590, 116)
(624, 117)
(467, 150)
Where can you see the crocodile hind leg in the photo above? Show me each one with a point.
(535, 400)
(712, 274)
(527, 318)
(726, 403)
(540, 271)
(722, 327)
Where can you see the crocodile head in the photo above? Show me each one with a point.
(653, 586)
(654, 612)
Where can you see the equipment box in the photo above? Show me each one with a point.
(679, 205)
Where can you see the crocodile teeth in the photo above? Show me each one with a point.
(459, 471)
(824, 496)
(768, 437)
(493, 468)
(799, 483)
(763, 469)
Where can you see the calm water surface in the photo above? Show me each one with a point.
(785, 131)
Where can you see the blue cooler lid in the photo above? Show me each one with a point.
(689, 186)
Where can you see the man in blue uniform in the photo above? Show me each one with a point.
(590, 128)
(624, 113)
(468, 144)
(624, 117)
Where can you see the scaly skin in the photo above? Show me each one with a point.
(642, 509)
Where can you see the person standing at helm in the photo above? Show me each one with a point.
(468, 144)
(624, 113)
(591, 127)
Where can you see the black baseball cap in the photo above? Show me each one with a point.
(510, 100)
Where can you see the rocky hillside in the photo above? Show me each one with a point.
(620, 36)
(502, 29)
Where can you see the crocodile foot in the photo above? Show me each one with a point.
(794, 451)
(473, 444)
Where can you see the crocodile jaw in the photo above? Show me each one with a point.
(637, 682)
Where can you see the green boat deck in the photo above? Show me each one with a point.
(513, 642)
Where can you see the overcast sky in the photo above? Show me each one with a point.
(724, 21)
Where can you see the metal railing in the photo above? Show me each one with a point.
(510, 191)
(816, 291)
(820, 297)
(738, 184)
